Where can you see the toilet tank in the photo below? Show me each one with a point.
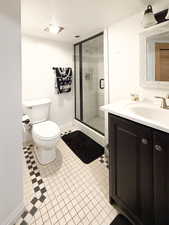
(37, 110)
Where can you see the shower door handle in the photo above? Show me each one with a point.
(101, 83)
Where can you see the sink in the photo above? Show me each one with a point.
(150, 113)
(145, 113)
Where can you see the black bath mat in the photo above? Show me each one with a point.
(120, 220)
(83, 146)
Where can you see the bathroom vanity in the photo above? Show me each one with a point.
(139, 161)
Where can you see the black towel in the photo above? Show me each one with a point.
(63, 79)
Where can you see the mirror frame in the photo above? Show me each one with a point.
(155, 30)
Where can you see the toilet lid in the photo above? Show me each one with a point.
(46, 130)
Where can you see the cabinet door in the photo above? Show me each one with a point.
(131, 168)
(161, 177)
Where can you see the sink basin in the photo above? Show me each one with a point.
(145, 113)
(151, 113)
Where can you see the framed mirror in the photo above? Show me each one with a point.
(154, 57)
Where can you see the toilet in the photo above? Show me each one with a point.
(45, 133)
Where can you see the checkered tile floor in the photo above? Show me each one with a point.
(104, 160)
(65, 192)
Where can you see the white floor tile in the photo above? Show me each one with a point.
(77, 194)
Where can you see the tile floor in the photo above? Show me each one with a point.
(76, 193)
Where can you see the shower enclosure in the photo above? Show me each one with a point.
(89, 82)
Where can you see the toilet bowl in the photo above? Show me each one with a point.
(45, 136)
(45, 133)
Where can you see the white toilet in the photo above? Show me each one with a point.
(45, 133)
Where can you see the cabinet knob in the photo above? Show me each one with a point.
(144, 141)
(158, 148)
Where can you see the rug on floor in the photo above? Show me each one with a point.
(120, 220)
(83, 146)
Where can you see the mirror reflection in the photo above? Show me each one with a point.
(158, 57)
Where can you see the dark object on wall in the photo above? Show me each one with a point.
(139, 171)
(83, 146)
(63, 79)
(161, 16)
(120, 220)
(101, 83)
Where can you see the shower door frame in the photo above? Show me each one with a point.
(81, 80)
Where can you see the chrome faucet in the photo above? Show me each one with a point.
(163, 102)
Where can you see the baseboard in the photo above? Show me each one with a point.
(100, 139)
(14, 216)
(66, 127)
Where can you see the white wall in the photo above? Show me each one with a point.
(11, 195)
(123, 38)
(38, 78)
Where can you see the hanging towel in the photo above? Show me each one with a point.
(63, 79)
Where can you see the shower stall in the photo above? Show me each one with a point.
(89, 82)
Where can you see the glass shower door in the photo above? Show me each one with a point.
(93, 82)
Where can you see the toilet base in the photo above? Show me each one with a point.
(45, 156)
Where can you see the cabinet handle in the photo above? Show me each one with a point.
(144, 141)
(158, 148)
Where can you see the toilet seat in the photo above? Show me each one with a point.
(46, 130)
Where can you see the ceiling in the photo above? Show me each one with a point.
(78, 17)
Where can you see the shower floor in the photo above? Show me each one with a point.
(97, 123)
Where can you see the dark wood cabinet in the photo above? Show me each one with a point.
(161, 177)
(139, 171)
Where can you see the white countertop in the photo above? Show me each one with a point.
(145, 113)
